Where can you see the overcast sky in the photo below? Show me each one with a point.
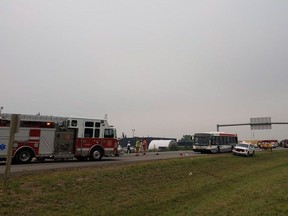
(162, 67)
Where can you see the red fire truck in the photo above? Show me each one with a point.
(51, 137)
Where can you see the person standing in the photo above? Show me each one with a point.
(128, 147)
(144, 143)
(138, 145)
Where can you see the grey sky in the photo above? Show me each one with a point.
(161, 67)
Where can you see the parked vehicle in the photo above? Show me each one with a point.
(120, 150)
(284, 143)
(214, 142)
(51, 137)
(265, 143)
(244, 149)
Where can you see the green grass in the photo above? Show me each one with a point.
(212, 185)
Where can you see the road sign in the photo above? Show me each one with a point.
(262, 123)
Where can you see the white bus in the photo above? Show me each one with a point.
(214, 142)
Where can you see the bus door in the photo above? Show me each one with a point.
(216, 144)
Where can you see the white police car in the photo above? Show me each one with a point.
(244, 149)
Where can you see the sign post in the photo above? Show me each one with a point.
(13, 129)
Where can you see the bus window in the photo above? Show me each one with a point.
(201, 140)
(97, 124)
(222, 141)
(217, 139)
(213, 140)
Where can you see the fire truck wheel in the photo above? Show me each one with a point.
(96, 154)
(24, 156)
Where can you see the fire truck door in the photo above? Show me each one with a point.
(64, 141)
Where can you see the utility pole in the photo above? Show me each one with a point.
(133, 130)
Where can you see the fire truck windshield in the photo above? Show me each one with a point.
(109, 133)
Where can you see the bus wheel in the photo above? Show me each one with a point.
(96, 154)
(24, 156)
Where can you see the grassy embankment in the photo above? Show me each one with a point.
(224, 185)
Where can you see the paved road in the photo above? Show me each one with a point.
(131, 158)
(106, 161)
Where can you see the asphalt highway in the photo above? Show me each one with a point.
(35, 166)
(106, 161)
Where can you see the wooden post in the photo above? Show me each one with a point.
(13, 128)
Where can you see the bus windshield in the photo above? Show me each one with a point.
(201, 140)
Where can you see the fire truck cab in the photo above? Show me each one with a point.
(49, 137)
